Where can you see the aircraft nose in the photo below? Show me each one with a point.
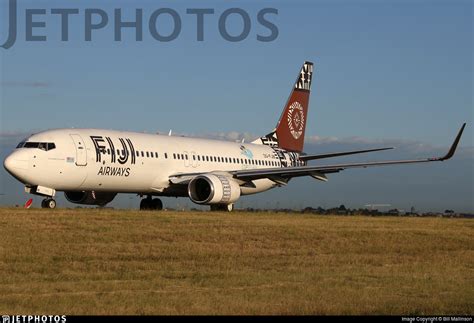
(8, 163)
(13, 163)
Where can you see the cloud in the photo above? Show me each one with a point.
(23, 84)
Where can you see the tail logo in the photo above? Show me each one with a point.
(296, 119)
(304, 79)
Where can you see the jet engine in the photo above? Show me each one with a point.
(89, 197)
(213, 189)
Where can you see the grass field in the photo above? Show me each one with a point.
(129, 262)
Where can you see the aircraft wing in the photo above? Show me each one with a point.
(281, 175)
(319, 171)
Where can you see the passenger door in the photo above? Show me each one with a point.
(81, 153)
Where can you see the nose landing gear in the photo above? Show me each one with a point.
(151, 204)
(48, 203)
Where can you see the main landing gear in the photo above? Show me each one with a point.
(48, 203)
(151, 204)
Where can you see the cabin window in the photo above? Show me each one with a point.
(166, 155)
(186, 156)
(156, 154)
(174, 156)
(147, 154)
(179, 157)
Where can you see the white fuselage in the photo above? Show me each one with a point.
(130, 162)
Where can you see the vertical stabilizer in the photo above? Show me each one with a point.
(290, 130)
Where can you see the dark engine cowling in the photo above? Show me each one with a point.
(213, 189)
(89, 198)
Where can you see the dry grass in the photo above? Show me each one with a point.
(130, 262)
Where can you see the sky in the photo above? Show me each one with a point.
(386, 72)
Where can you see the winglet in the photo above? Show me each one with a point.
(452, 150)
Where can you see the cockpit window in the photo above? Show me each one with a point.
(31, 145)
(40, 145)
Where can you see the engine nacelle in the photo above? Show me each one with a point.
(213, 189)
(89, 198)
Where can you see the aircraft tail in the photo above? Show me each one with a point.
(290, 130)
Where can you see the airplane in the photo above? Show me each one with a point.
(91, 166)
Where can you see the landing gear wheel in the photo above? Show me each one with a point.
(48, 203)
(151, 204)
(145, 204)
(157, 204)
